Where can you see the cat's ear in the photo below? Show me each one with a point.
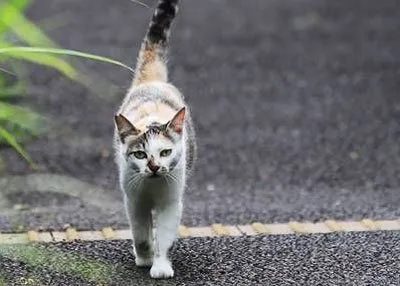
(125, 128)
(176, 124)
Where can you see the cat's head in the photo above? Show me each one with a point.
(153, 150)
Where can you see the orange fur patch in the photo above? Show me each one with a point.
(150, 110)
(151, 67)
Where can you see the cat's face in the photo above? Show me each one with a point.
(157, 155)
(155, 151)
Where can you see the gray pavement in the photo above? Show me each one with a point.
(296, 106)
(348, 259)
(297, 112)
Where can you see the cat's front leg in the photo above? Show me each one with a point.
(140, 220)
(167, 223)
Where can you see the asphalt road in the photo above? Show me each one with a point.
(332, 259)
(296, 105)
(297, 110)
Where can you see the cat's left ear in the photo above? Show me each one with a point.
(176, 124)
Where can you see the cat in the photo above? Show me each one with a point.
(155, 148)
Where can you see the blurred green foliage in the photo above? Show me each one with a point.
(20, 39)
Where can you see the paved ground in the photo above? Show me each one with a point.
(296, 106)
(333, 259)
(297, 112)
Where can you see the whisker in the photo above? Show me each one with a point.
(141, 3)
(174, 179)
(166, 180)
(134, 181)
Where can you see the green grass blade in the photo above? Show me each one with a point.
(19, 5)
(10, 139)
(22, 116)
(2, 80)
(65, 52)
(38, 57)
(18, 89)
(14, 20)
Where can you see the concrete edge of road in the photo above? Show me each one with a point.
(214, 230)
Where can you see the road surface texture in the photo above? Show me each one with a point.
(296, 107)
(297, 113)
(358, 259)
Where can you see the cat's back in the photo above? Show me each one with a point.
(156, 98)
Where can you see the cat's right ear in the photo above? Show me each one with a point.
(125, 128)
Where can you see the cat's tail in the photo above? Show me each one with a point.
(152, 60)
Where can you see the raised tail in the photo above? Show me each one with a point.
(152, 60)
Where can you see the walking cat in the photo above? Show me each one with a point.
(155, 148)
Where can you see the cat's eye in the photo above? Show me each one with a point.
(139, 154)
(165, 152)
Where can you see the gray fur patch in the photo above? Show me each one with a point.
(133, 166)
(156, 97)
(174, 162)
(191, 148)
(153, 129)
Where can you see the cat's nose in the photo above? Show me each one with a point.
(153, 167)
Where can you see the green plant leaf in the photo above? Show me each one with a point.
(18, 89)
(38, 57)
(17, 122)
(10, 139)
(14, 20)
(21, 116)
(65, 52)
(19, 5)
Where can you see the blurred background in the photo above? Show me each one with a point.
(296, 105)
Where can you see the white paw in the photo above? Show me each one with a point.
(161, 269)
(143, 262)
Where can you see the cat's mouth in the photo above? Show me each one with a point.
(154, 176)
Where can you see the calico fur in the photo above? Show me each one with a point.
(153, 120)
